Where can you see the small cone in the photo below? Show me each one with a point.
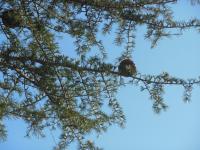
(11, 18)
(127, 68)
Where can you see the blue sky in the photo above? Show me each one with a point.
(175, 129)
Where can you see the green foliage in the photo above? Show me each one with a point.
(47, 89)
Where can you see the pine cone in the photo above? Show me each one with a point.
(11, 18)
(127, 68)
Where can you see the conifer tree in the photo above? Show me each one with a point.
(48, 89)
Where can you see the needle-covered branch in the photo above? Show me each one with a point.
(46, 88)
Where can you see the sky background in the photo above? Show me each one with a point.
(175, 129)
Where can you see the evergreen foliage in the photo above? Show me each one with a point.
(48, 89)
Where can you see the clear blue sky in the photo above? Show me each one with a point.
(176, 129)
